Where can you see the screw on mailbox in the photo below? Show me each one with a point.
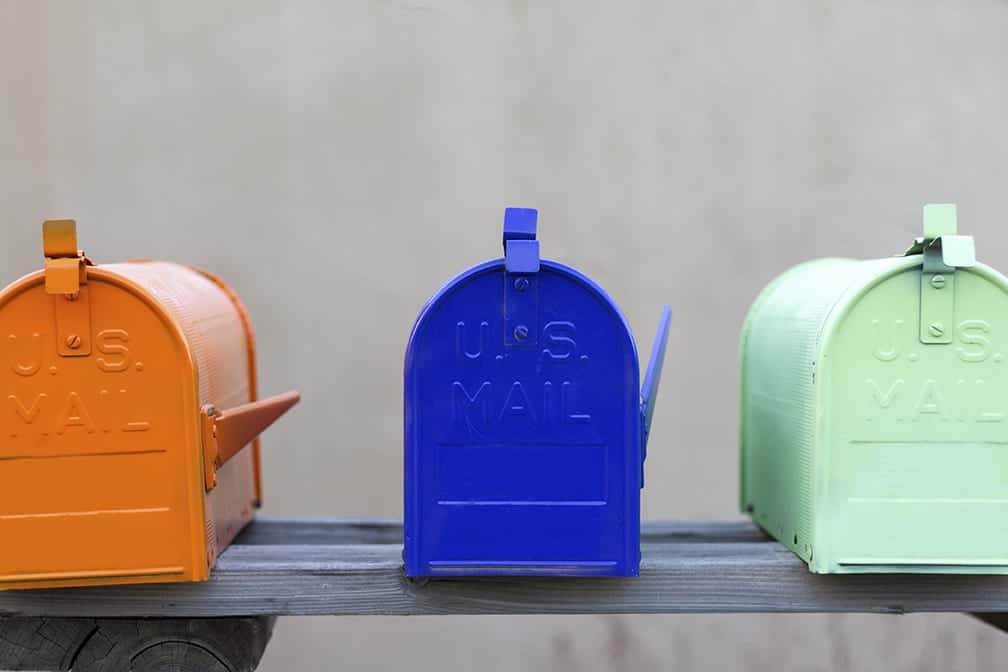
(937, 329)
(521, 284)
(521, 332)
(938, 281)
(73, 342)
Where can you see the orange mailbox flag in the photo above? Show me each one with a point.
(129, 448)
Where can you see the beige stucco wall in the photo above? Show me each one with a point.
(338, 161)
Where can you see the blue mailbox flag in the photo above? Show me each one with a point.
(525, 424)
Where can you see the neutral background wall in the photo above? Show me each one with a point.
(338, 161)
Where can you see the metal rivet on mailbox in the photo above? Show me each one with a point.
(938, 281)
(521, 332)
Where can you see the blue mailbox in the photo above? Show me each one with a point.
(525, 425)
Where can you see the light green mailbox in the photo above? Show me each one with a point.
(874, 432)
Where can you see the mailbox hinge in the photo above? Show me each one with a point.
(943, 252)
(521, 288)
(66, 281)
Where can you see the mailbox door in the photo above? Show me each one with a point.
(918, 463)
(95, 470)
(522, 429)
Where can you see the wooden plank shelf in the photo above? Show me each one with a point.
(315, 568)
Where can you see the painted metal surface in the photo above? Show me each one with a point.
(524, 428)
(874, 435)
(106, 372)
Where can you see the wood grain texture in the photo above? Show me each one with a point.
(281, 532)
(295, 568)
(42, 643)
(119, 645)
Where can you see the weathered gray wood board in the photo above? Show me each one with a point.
(286, 532)
(114, 645)
(334, 568)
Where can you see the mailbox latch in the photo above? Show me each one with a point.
(944, 251)
(66, 281)
(521, 288)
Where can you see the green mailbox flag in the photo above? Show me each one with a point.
(874, 430)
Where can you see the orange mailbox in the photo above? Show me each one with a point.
(129, 397)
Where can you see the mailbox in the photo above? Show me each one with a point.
(128, 447)
(874, 402)
(525, 425)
